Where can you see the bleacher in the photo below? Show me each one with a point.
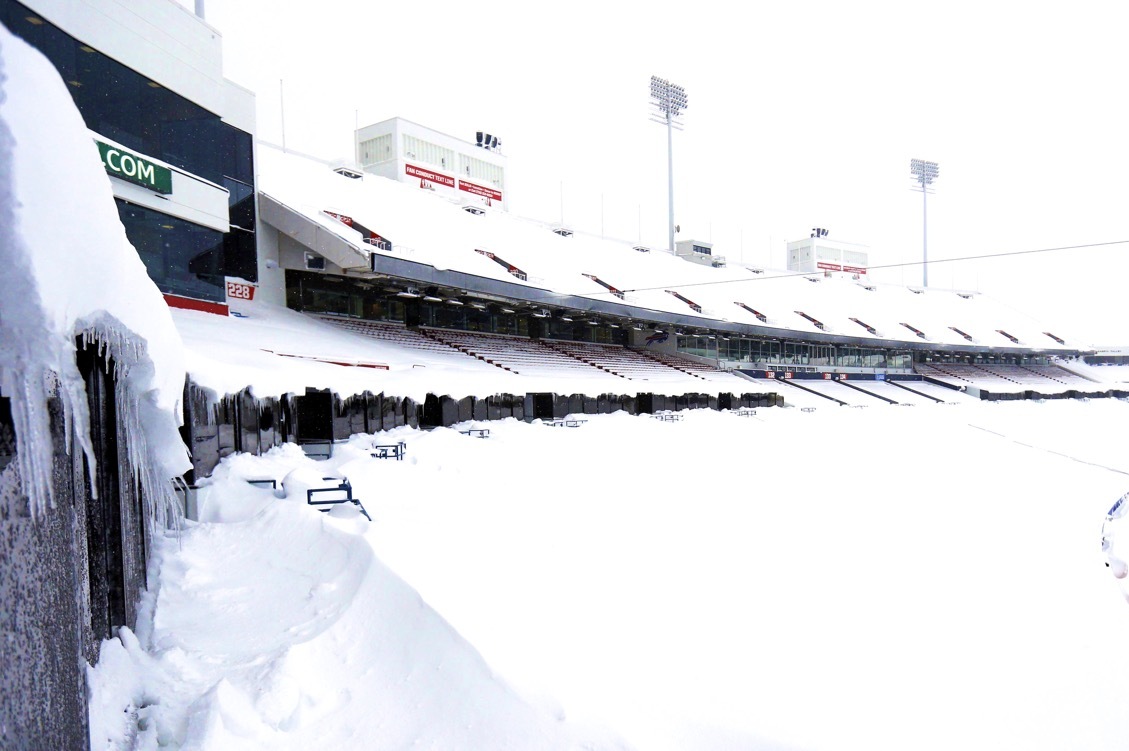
(621, 361)
(962, 374)
(1064, 377)
(690, 367)
(547, 358)
(1048, 379)
(392, 333)
(1020, 375)
(515, 354)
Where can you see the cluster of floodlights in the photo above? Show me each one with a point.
(669, 98)
(924, 172)
(487, 141)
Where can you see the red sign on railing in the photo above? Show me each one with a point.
(478, 190)
(346, 220)
(426, 174)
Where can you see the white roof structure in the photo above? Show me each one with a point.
(435, 239)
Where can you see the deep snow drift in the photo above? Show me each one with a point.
(889, 578)
(69, 271)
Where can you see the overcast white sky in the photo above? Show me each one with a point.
(801, 114)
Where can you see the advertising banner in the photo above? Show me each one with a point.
(478, 190)
(432, 177)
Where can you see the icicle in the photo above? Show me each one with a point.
(33, 437)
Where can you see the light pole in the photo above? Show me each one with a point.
(669, 100)
(924, 173)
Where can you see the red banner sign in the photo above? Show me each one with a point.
(829, 266)
(426, 174)
(854, 269)
(478, 190)
(346, 220)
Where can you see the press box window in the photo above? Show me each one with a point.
(182, 258)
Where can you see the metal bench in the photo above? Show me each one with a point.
(667, 416)
(745, 412)
(477, 432)
(388, 451)
(807, 409)
(565, 422)
(342, 487)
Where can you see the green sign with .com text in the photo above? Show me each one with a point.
(135, 169)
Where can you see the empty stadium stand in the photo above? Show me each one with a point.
(516, 354)
(390, 333)
(621, 361)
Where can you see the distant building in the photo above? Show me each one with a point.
(474, 172)
(816, 254)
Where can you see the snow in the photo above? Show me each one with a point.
(936, 583)
(429, 229)
(68, 272)
(218, 358)
(926, 578)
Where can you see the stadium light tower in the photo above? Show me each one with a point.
(669, 100)
(924, 173)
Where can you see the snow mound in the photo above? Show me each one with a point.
(70, 272)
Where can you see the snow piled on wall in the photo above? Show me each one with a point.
(69, 272)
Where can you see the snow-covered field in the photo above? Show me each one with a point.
(890, 578)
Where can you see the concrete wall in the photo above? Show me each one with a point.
(44, 613)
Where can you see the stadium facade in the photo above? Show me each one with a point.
(176, 138)
(178, 143)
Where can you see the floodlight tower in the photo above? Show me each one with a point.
(669, 100)
(924, 173)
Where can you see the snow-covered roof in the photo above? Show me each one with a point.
(431, 230)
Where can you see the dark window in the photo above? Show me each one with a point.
(7, 433)
(182, 258)
(241, 204)
(239, 255)
(235, 154)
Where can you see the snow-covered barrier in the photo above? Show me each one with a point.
(219, 426)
